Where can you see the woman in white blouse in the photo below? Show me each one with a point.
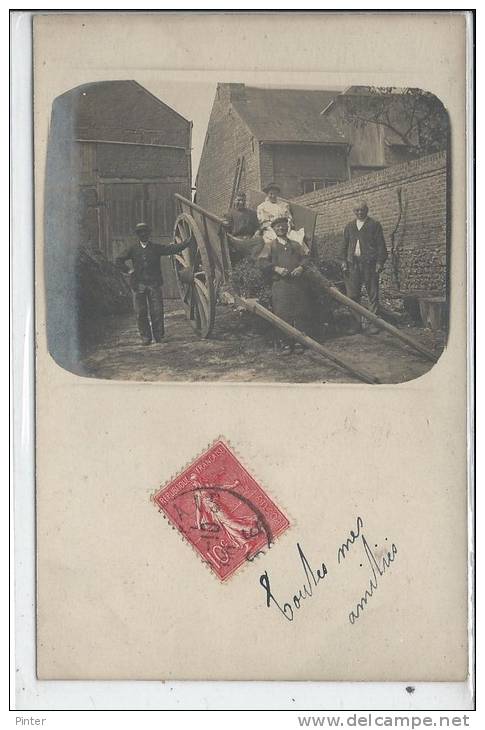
(273, 207)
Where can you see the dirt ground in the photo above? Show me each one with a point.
(240, 349)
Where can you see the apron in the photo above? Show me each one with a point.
(290, 297)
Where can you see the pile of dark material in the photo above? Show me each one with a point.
(102, 288)
(248, 281)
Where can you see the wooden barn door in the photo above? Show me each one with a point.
(126, 203)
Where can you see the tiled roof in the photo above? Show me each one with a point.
(287, 115)
(121, 111)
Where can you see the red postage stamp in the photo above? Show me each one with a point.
(221, 510)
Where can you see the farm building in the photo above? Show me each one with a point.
(303, 139)
(258, 135)
(116, 155)
(398, 117)
(131, 152)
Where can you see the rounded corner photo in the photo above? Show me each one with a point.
(283, 235)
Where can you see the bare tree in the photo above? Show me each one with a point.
(416, 118)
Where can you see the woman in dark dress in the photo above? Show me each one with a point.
(283, 259)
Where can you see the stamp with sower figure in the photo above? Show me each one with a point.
(221, 510)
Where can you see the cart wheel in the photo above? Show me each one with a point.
(195, 278)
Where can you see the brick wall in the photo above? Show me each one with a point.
(419, 258)
(267, 166)
(227, 139)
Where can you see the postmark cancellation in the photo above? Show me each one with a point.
(221, 510)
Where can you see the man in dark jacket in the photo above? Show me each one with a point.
(243, 226)
(241, 221)
(363, 256)
(146, 281)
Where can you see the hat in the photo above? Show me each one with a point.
(278, 220)
(142, 226)
(271, 186)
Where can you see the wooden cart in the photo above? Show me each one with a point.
(205, 265)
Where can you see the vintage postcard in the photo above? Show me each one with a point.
(251, 308)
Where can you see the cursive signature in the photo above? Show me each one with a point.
(345, 546)
(312, 579)
(377, 563)
(377, 566)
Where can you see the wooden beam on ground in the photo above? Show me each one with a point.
(252, 305)
(313, 276)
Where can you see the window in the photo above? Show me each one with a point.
(309, 186)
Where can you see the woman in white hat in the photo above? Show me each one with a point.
(271, 209)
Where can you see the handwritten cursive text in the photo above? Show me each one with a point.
(312, 579)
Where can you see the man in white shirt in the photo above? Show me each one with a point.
(363, 256)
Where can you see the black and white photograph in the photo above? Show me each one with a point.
(228, 231)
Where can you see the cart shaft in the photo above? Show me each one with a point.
(253, 306)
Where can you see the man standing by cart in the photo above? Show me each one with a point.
(363, 256)
(146, 281)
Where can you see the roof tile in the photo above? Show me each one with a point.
(287, 115)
